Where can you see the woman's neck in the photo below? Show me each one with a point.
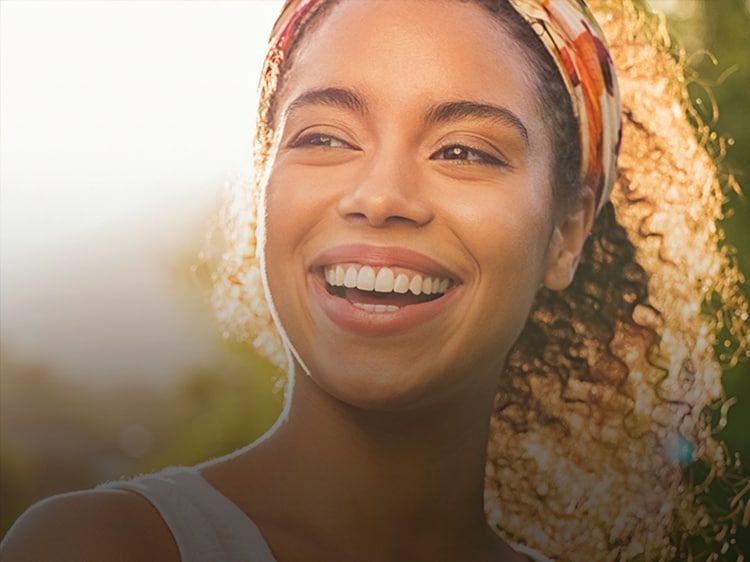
(400, 482)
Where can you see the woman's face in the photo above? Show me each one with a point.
(411, 159)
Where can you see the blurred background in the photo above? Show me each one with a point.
(121, 123)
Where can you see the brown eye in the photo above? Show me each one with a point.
(315, 140)
(459, 152)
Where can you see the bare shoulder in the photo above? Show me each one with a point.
(113, 525)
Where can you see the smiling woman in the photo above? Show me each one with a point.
(436, 186)
(489, 351)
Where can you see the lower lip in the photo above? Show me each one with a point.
(351, 318)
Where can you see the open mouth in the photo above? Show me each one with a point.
(383, 289)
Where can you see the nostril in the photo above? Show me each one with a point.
(380, 203)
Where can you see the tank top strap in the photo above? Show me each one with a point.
(205, 524)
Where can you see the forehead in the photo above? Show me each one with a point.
(414, 49)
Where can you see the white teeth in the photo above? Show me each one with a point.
(350, 279)
(416, 285)
(401, 285)
(366, 279)
(383, 280)
(376, 307)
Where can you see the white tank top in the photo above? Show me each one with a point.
(206, 525)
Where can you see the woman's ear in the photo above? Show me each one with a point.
(566, 243)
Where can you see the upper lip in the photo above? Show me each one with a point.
(383, 256)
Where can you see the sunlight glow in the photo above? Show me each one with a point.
(120, 123)
(109, 106)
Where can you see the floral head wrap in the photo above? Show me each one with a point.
(572, 36)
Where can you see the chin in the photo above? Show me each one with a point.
(394, 386)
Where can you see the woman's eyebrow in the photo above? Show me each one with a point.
(456, 110)
(333, 97)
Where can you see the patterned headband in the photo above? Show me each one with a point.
(570, 33)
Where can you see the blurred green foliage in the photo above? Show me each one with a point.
(221, 411)
(58, 434)
(716, 35)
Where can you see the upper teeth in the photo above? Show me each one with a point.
(384, 280)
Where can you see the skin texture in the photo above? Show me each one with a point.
(384, 182)
(382, 454)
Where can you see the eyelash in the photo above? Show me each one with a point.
(324, 141)
(482, 158)
(320, 140)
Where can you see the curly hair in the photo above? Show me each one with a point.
(603, 413)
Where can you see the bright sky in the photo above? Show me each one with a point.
(119, 124)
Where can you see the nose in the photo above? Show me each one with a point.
(387, 192)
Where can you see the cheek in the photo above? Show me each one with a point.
(504, 226)
(283, 204)
(295, 207)
(283, 221)
(296, 198)
(507, 237)
(284, 216)
(291, 205)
